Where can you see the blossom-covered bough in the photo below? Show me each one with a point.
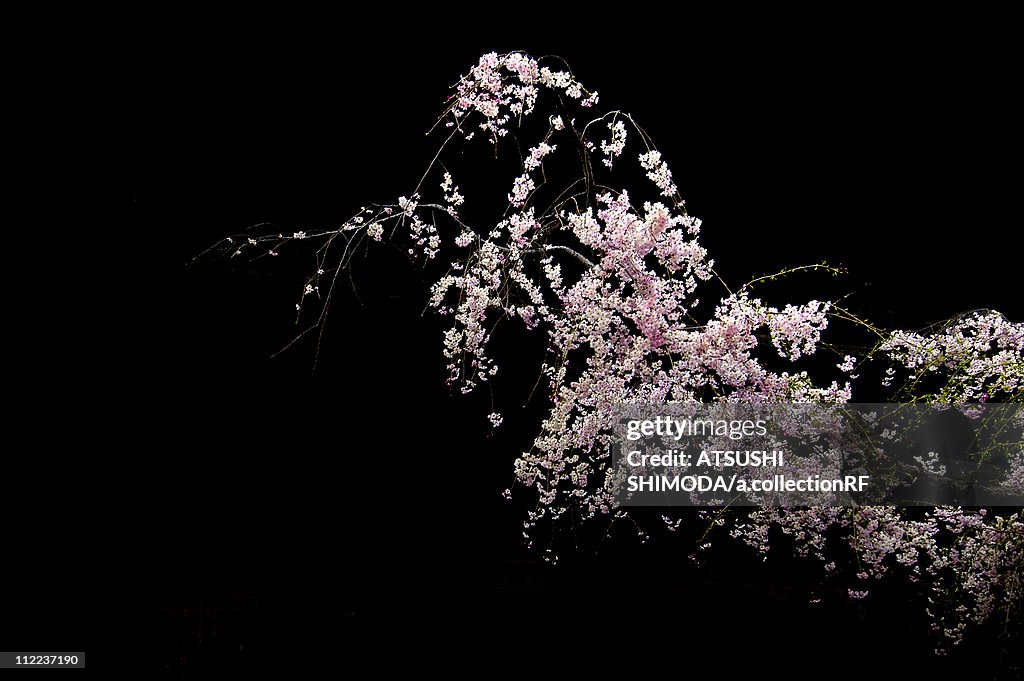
(632, 311)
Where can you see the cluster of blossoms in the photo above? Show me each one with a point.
(536, 155)
(975, 356)
(658, 172)
(523, 185)
(612, 148)
(613, 288)
(501, 88)
(451, 194)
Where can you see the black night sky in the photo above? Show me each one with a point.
(203, 510)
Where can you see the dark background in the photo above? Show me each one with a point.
(188, 505)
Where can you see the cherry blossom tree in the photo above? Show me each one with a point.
(594, 250)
